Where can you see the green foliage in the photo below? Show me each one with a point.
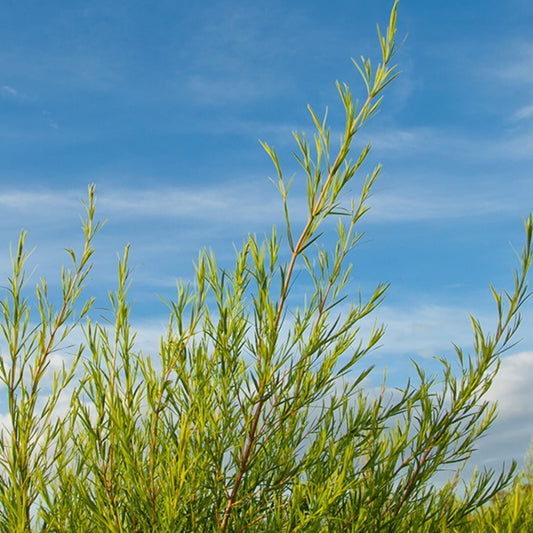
(509, 511)
(253, 417)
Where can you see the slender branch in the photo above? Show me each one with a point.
(251, 438)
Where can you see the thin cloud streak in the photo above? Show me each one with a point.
(523, 113)
(10, 90)
(413, 205)
(424, 330)
(432, 141)
(227, 203)
(38, 202)
(233, 203)
(517, 65)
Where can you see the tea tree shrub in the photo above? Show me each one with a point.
(509, 511)
(252, 416)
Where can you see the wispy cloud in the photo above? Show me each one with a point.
(223, 56)
(510, 436)
(525, 112)
(411, 204)
(50, 119)
(513, 68)
(38, 202)
(230, 202)
(258, 201)
(517, 67)
(424, 141)
(227, 201)
(424, 330)
(9, 90)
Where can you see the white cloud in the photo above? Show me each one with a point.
(510, 436)
(40, 201)
(419, 141)
(259, 202)
(512, 387)
(428, 331)
(5, 424)
(10, 90)
(424, 330)
(226, 202)
(524, 113)
(424, 204)
(514, 70)
(405, 139)
(517, 67)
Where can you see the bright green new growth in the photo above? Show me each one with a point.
(510, 510)
(253, 418)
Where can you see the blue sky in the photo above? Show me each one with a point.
(161, 105)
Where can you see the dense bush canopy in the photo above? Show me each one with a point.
(253, 416)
